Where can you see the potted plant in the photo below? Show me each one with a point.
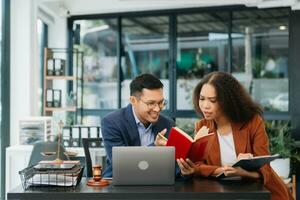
(282, 143)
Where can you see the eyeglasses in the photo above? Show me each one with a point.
(152, 105)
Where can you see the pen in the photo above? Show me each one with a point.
(163, 137)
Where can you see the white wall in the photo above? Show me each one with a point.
(24, 66)
(20, 62)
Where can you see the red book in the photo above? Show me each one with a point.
(186, 146)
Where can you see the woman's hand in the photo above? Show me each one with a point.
(229, 171)
(238, 171)
(234, 171)
(187, 167)
(245, 155)
(218, 171)
(160, 139)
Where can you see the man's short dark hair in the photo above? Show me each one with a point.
(147, 81)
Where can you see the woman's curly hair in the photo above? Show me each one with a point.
(234, 100)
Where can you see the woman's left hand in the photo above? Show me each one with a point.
(234, 171)
(187, 167)
(238, 171)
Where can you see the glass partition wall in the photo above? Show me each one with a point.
(180, 48)
(260, 55)
(100, 77)
(145, 49)
(202, 43)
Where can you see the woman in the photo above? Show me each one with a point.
(233, 116)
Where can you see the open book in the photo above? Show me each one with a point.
(252, 164)
(186, 146)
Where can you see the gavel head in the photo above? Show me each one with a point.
(97, 172)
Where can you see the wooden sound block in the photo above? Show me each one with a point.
(100, 183)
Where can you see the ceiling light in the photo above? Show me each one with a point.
(282, 28)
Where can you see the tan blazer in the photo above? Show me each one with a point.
(248, 138)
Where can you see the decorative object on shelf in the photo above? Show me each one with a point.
(50, 67)
(49, 98)
(97, 177)
(57, 98)
(63, 81)
(59, 67)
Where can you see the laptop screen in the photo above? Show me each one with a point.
(141, 165)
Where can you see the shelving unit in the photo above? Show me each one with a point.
(63, 79)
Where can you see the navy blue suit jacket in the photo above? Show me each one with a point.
(119, 129)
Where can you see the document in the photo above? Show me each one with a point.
(252, 164)
(76, 162)
(55, 166)
(53, 179)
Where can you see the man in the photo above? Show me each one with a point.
(139, 123)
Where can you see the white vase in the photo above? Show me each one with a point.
(282, 167)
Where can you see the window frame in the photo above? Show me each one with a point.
(172, 111)
(5, 88)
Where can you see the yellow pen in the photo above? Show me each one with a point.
(163, 137)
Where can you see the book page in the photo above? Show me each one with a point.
(259, 157)
(184, 134)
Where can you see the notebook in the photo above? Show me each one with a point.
(143, 165)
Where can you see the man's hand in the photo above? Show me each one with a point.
(187, 167)
(160, 139)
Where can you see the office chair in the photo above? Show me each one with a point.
(87, 143)
(40, 147)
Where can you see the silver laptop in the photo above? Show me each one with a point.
(143, 165)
